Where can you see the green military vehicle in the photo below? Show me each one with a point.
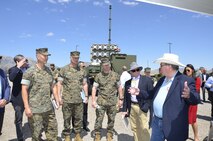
(118, 60)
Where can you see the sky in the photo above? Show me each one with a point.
(140, 29)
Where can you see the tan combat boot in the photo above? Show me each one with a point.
(67, 138)
(109, 136)
(97, 137)
(78, 137)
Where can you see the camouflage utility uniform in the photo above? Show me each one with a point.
(40, 83)
(107, 99)
(55, 74)
(72, 80)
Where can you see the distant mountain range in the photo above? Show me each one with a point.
(7, 62)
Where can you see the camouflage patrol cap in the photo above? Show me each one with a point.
(52, 65)
(43, 51)
(75, 53)
(105, 61)
(147, 69)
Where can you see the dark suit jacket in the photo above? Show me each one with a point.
(5, 88)
(145, 83)
(15, 76)
(203, 83)
(175, 108)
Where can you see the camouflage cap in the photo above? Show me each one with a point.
(0, 57)
(75, 53)
(147, 69)
(52, 64)
(43, 51)
(105, 61)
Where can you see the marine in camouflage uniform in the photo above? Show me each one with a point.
(73, 81)
(54, 71)
(37, 87)
(108, 83)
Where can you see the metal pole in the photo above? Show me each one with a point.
(76, 47)
(110, 19)
(170, 47)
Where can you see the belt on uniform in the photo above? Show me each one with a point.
(135, 103)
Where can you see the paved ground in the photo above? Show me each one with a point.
(122, 133)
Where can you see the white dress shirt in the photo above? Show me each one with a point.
(134, 83)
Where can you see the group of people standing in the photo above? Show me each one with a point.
(169, 101)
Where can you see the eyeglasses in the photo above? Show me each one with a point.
(135, 70)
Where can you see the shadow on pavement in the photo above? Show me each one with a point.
(120, 137)
(125, 137)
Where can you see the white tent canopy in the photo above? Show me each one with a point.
(199, 6)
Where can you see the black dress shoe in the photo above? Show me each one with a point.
(86, 129)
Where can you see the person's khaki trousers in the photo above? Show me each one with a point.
(139, 124)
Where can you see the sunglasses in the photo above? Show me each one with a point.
(188, 70)
(135, 70)
(163, 64)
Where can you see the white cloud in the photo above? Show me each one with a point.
(64, 1)
(97, 3)
(107, 2)
(63, 40)
(200, 16)
(50, 34)
(59, 1)
(78, 1)
(25, 35)
(52, 1)
(8, 9)
(101, 2)
(63, 21)
(129, 3)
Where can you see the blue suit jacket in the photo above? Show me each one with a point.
(175, 108)
(5, 88)
(15, 76)
(145, 83)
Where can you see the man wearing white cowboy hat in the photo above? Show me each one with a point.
(171, 97)
(135, 106)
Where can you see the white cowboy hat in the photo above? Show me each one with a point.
(134, 66)
(169, 58)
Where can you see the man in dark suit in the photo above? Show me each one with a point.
(135, 106)
(4, 95)
(171, 97)
(15, 76)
